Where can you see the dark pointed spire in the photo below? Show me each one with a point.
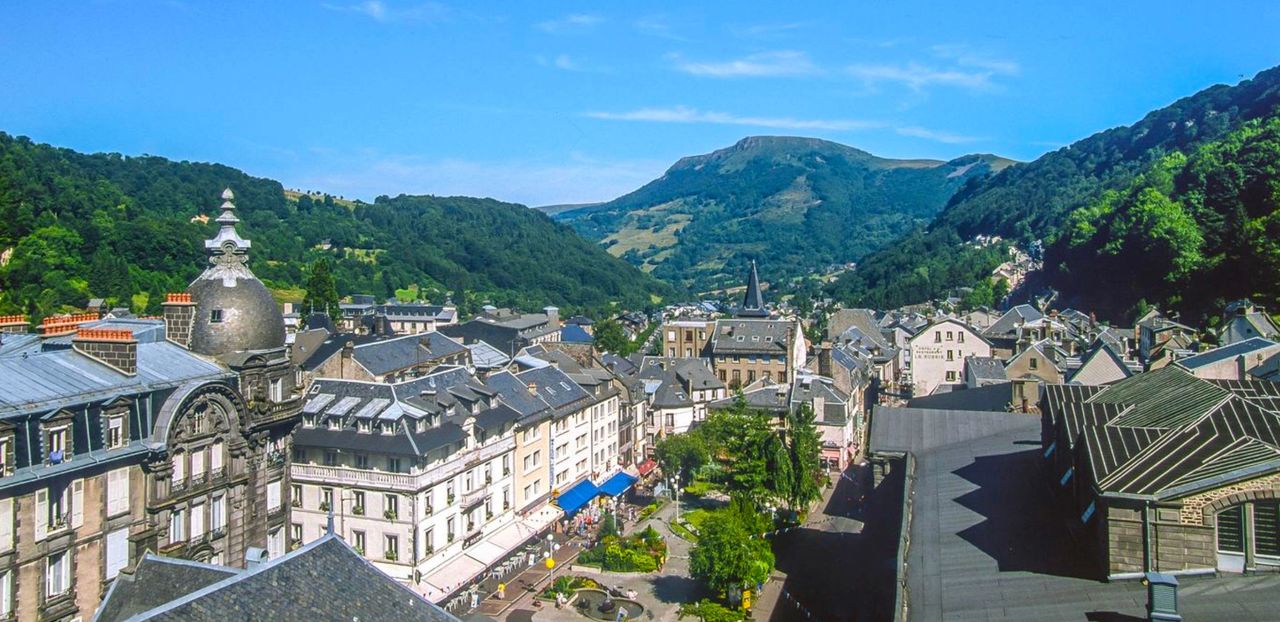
(753, 300)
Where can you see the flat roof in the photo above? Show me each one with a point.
(987, 542)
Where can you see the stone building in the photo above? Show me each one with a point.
(1164, 471)
(122, 436)
(754, 345)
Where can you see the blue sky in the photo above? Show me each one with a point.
(568, 102)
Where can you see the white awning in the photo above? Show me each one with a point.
(454, 574)
(540, 519)
(486, 552)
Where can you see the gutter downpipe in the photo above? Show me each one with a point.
(1147, 562)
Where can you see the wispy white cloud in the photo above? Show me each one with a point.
(954, 65)
(577, 178)
(785, 63)
(383, 12)
(685, 114)
(570, 23)
(916, 76)
(657, 26)
(935, 135)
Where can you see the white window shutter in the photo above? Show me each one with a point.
(41, 514)
(77, 503)
(117, 552)
(6, 524)
(215, 456)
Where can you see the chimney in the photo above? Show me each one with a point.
(54, 326)
(824, 359)
(429, 396)
(179, 316)
(553, 316)
(114, 348)
(12, 324)
(533, 388)
(819, 404)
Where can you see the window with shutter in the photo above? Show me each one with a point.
(41, 514)
(117, 552)
(197, 466)
(273, 495)
(77, 503)
(6, 524)
(118, 491)
(197, 521)
(215, 460)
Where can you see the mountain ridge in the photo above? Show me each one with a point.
(782, 200)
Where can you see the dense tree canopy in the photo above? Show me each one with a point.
(1189, 233)
(1035, 200)
(732, 552)
(76, 226)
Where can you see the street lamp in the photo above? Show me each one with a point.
(675, 493)
(550, 542)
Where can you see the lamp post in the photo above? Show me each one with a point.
(550, 542)
(675, 492)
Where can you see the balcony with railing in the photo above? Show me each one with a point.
(473, 498)
(269, 413)
(403, 482)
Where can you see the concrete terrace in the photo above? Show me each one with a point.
(986, 543)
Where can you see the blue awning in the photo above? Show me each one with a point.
(574, 498)
(617, 484)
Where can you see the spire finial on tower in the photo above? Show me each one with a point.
(753, 300)
(228, 252)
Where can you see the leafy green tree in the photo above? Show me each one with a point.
(322, 291)
(709, 611)
(804, 448)
(681, 454)
(610, 337)
(732, 552)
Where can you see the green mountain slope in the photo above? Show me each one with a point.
(797, 205)
(1190, 233)
(74, 226)
(1032, 201)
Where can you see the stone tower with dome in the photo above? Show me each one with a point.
(228, 315)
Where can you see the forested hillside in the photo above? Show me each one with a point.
(1190, 233)
(796, 205)
(75, 226)
(1033, 201)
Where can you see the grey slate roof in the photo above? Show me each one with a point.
(985, 368)
(1230, 351)
(751, 336)
(390, 355)
(485, 356)
(1007, 325)
(1101, 365)
(155, 581)
(325, 580)
(49, 375)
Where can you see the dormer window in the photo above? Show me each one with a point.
(58, 443)
(215, 316)
(6, 459)
(364, 426)
(335, 423)
(117, 431)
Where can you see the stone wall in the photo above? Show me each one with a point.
(1124, 540)
(1199, 509)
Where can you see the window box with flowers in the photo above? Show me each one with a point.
(391, 555)
(389, 514)
(358, 510)
(324, 506)
(451, 498)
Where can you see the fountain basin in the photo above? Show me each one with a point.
(598, 605)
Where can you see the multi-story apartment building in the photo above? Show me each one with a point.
(753, 345)
(938, 353)
(414, 473)
(686, 338)
(122, 436)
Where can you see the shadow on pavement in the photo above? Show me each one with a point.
(673, 589)
(1022, 530)
(844, 576)
(1111, 616)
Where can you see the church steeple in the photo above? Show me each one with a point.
(753, 301)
